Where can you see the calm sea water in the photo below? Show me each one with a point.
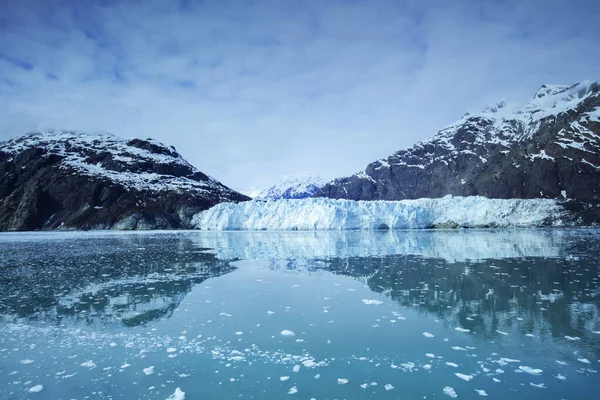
(325, 315)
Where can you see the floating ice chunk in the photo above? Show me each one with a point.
(464, 377)
(502, 332)
(342, 381)
(430, 355)
(284, 378)
(572, 338)
(239, 333)
(561, 362)
(372, 302)
(285, 332)
(561, 377)
(296, 368)
(364, 386)
(538, 385)
(88, 364)
(429, 335)
(451, 364)
(408, 366)
(496, 380)
(529, 370)
(427, 367)
(26, 361)
(270, 312)
(293, 390)
(125, 366)
(481, 392)
(504, 361)
(458, 328)
(178, 395)
(458, 348)
(584, 360)
(149, 370)
(36, 389)
(171, 350)
(450, 392)
(388, 387)
(530, 335)
(237, 358)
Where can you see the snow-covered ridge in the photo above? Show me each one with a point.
(514, 123)
(328, 214)
(139, 164)
(293, 187)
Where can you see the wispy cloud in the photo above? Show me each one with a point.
(252, 90)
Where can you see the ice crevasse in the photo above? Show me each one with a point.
(334, 214)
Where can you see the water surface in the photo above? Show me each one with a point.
(324, 315)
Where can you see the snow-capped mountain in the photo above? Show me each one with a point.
(100, 181)
(548, 148)
(293, 187)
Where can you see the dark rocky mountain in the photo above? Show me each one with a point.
(74, 180)
(550, 148)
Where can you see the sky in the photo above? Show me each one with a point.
(250, 91)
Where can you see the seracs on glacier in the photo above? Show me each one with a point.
(330, 214)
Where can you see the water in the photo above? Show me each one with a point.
(380, 315)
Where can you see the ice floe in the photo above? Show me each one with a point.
(178, 395)
(529, 370)
(88, 364)
(149, 370)
(36, 389)
(449, 391)
(464, 377)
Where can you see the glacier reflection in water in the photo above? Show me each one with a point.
(509, 313)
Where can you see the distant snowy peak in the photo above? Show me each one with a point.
(293, 187)
(549, 147)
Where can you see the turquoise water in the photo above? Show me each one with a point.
(323, 315)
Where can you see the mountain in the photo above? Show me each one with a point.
(293, 187)
(549, 148)
(75, 180)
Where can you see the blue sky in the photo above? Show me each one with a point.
(249, 91)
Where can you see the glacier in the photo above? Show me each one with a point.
(338, 214)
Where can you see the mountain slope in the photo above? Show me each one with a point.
(550, 148)
(293, 187)
(74, 180)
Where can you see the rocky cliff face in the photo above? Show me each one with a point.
(550, 148)
(73, 180)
